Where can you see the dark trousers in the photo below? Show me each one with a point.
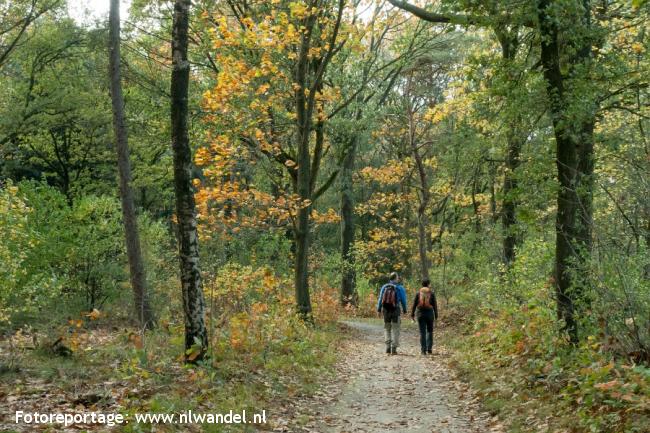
(425, 322)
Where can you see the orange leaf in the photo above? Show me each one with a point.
(607, 385)
(93, 315)
(193, 354)
(136, 340)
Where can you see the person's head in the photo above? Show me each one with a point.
(426, 283)
(393, 277)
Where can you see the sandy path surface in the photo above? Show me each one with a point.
(376, 392)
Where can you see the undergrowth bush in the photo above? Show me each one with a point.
(251, 311)
(513, 349)
(54, 250)
(261, 353)
(518, 355)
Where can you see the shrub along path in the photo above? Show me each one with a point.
(376, 392)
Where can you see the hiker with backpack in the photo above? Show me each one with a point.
(426, 307)
(391, 296)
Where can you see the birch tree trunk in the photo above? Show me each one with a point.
(196, 337)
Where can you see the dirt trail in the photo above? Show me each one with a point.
(376, 392)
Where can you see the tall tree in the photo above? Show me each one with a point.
(509, 41)
(423, 193)
(573, 124)
(143, 309)
(574, 154)
(309, 76)
(348, 275)
(289, 130)
(196, 336)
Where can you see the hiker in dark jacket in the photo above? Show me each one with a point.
(426, 308)
(391, 296)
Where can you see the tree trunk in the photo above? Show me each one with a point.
(143, 310)
(423, 196)
(348, 277)
(303, 182)
(422, 242)
(566, 164)
(509, 44)
(509, 212)
(585, 164)
(575, 166)
(424, 236)
(196, 337)
(301, 267)
(302, 229)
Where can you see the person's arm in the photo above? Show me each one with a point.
(435, 305)
(402, 298)
(381, 294)
(415, 304)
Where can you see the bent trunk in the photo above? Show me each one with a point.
(424, 196)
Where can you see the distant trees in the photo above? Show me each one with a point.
(15, 18)
(51, 128)
(568, 35)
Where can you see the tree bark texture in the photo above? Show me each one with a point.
(574, 159)
(348, 276)
(196, 337)
(143, 310)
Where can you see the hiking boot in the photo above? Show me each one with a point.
(429, 352)
(388, 350)
(394, 351)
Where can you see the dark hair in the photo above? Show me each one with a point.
(393, 276)
(425, 283)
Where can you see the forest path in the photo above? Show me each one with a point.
(376, 392)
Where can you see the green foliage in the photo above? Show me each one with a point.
(622, 281)
(31, 217)
(511, 348)
(54, 253)
(54, 110)
(516, 356)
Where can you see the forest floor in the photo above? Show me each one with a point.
(376, 392)
(368, 390)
